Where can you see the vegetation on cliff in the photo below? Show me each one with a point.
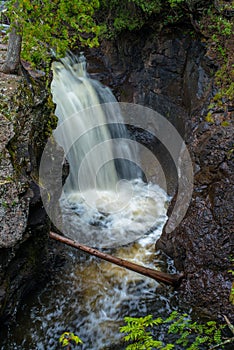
(212, 21)
(53, 27)
(41, 30)
(48, 28)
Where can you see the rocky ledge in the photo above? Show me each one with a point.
(25, 119)
(202, 245)
(173, 74)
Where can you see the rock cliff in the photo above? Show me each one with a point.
(171, 73)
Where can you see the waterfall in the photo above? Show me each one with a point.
(111, 207)
(104, 201)
(93, 132)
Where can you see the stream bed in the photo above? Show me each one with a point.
(90, 298)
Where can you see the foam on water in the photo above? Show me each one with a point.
(90, 297)
(112, 208)
(103, 218)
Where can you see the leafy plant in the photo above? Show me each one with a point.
(68, 339)
(218, 27)
(190, 335)
(126, 15)
(53, 26)
(174, 3)
(138, 333)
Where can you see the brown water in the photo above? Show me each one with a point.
(90, 298)
(122, 213)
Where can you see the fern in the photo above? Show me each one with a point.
(190, 335)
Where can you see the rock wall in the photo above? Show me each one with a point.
(202, 245)
(13, 211)
(165, 71)
(26, 120)
(170, 73)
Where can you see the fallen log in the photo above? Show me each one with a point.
(169, 279)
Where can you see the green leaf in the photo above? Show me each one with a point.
(77, 340)
(65, 342)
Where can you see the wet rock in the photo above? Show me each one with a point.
(202, 245)
(13, 192)
(165, 71)
(26, 121)
(170, 73)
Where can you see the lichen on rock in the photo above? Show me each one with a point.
(14, 198)
(26, 120)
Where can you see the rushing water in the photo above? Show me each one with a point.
(90, 298)
(88, 123)
(104, 203)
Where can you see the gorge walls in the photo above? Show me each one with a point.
(171, 73)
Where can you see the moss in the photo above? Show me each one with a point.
(31, 110)
(209, 118)
(217, 27)
(52, 120)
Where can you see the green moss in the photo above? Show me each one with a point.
(52, 119)
(217, 28)
(230, 154)
(209, 118)
(6, 109)
(225, 123)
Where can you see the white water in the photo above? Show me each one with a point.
(86, 128)
(109, 219)
(104, 203)
(90, 298)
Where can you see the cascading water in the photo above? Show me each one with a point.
(104, 201)
(84, 128)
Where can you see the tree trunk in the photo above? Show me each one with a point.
(12, 63)
(173, 280)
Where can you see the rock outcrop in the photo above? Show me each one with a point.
(26, 120)
(202, 245)
(170, 73)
